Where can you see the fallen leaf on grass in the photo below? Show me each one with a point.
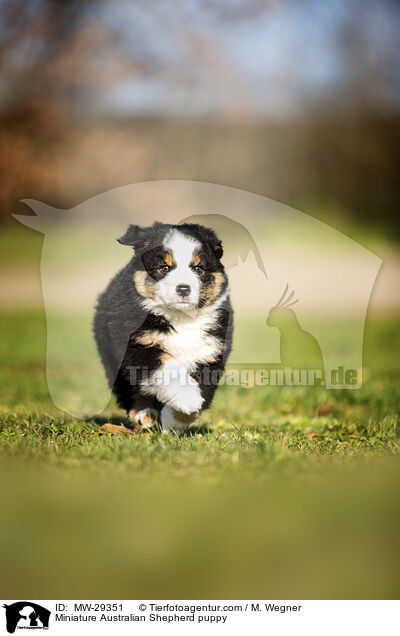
(115, 429)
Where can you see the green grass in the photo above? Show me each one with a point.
(250, 422)
(264, 498)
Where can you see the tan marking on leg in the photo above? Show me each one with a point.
(152, 339)
(176, 421)
(145, 418)
(143, 415)
(184, 417)
(165, 357)
(148, 339)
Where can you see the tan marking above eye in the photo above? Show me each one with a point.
(197, 260)
(168, 259)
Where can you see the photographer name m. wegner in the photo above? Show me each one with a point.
(246, 378)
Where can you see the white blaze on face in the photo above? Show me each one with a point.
(183, 249)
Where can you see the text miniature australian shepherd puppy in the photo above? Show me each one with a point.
(163, 326)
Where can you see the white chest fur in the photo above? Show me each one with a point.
(185, 347)
(191, 343)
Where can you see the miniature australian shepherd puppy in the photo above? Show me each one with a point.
(163, 326)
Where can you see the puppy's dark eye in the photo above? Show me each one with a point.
(164, 268)
(198, 268)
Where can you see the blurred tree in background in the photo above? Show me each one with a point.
(296, 101)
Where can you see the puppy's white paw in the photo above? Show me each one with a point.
(175, 421)
(172, 385)
(145, 418)
(187, 399)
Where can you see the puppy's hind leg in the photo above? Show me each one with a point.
(143, 414)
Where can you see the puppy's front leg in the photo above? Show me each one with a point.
(173, 420)
(173, 386)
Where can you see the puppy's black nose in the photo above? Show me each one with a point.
(183, 290)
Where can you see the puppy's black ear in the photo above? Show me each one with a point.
(131, 235)
(218, 251)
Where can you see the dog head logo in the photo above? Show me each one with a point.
(26, 615)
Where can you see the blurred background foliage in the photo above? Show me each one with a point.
(295, 101)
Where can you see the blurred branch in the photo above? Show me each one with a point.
(76, 53)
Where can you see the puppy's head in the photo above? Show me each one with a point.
(176, 267)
